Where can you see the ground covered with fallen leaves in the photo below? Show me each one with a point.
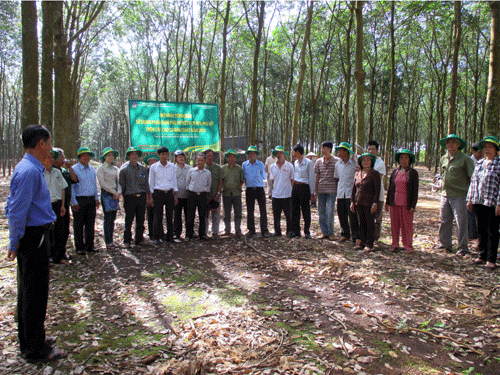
(265, 306)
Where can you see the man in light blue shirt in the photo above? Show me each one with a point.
(84, 202)
(30, 216)
(254, 173)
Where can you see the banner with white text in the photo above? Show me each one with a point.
(178, 126)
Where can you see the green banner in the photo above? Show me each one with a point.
(178, 126)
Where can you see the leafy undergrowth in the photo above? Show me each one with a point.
(265, 306)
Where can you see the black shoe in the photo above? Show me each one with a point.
(204, 238)
(93, 250)
(138, 242)
(308, 236)
(157, 242)
(80, 252)
(277, 234)
(51, 260)
(266, 235)
(292, 235)
(251, 234)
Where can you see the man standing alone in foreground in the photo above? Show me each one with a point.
(30, 217)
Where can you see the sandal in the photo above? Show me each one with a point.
(479, 261)
(54, 355)
(490, 267)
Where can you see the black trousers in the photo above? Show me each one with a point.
(135, 208)
(348, 219)
(57, 241)
(487, 226)
(162, 199)
(84, 219)
(282, 204)
(366, 225)
(33, 291)
(150, 214)
(301, 196)
(182, 204)
(199, 201)
(256, 194)
(66, 224)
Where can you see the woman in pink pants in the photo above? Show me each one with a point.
(402, 197)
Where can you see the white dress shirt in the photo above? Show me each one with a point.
(199, 180)
(304, 172)
(56, 183)
(162, 177)
(283, 178)
(345, 173)
(380, 168)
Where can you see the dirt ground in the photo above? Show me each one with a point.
(265, 306)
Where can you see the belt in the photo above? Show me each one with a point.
(164, 191)
(48, 226)
(137, 195)
(255, 188)
(198, 193)
(85, 197)
(300, 183)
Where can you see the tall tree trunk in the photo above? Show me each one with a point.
(255, 84)
(390, 115)
(223, 77)
(359, 75)
(302, 75)
(493, 98)
(47, 98)
(30, 64)
(457, 33)
(346, 126)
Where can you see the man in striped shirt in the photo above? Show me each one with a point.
(326, 189)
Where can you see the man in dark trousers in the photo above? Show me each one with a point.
(30, 217)
(136, 195)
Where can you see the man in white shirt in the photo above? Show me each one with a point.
(163, 185)
(271, 159)
(283, 174)
(372, 147)
(302, 191)
(181, 171)
(57, 184)
(198, 182)
(345, 170)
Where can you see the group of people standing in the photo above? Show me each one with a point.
(42, 191)
(470, 184)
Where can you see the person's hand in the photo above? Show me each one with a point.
(412, 210)
(386, 207)
(97, 203)
(216, 198)
(374, 208)
(497, 211)
(63, 211)
(12, 255)
(176, 200)
(117, 196)
(75, 208)
(352, 207)
(469, 207)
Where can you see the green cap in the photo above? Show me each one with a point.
(490, 139)
(133, 149)
(107, 150)
(279, 149)
(252, 148)
(345, 146)
(442, 142)
(85, 150)
(230, 152)
(366, 154)
(404, 151)
(148, 157)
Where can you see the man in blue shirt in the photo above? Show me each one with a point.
(84, 202)
(30, 217)
(254, 173)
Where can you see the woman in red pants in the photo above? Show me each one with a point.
(402, 197)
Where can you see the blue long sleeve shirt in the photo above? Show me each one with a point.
(254, 174)
(28, 204)
(87, 183)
